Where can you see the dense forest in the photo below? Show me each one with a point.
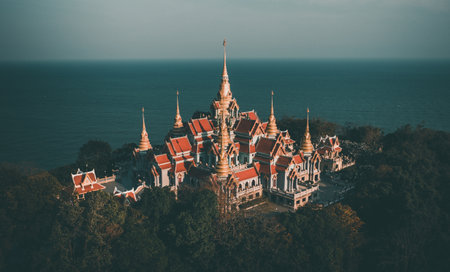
(396, 218)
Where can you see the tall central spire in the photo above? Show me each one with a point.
(225, 72)
(307, 146)
(144, 143)
(272, 129)
(222, 167)
(224, 94)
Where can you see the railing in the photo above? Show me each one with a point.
(239, 167)
(249, 190)
(295, 194)
(107, 179)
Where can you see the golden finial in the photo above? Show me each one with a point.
(143, 119)
(225, 72)
(307, 119)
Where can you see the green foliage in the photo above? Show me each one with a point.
(403, 199)
(325, 240)
(157, 204)
(369, 135)
(194, 227)
(27, 209)
(139, 248)
(124, 153)
(401, 195)
(317, 128)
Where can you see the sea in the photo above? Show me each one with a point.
(48, 110)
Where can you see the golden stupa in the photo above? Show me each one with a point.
(144, 143)
(272, 129)
(307, 146)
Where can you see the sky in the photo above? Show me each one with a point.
(183, 29)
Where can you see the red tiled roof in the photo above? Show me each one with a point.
(250, 115)
(163, 161)
(241, 139)
(237, 145)
(289, 141)
(245, 126)
(265, 145)
(284, 160)
(216, 104)
(214, 148)
(201, 125)
(131, 195)
(191, 128)
(298, 159)
(89, 188)
(246, 174)
(179, 145)
(162, 158)
(246, 148)
(79, 178)
(261, 159)
(180, 167)
(268, 169)
(264, 126)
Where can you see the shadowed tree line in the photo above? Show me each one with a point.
(396, 219)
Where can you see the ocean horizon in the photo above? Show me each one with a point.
(49, 109)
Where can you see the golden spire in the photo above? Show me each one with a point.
(223, 138)
(144, 143)
(272, 129)
(222, 167)
(224, 94)
(178, 121)
(307, 146)
(225, 72)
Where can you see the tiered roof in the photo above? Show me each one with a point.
(200, 126)
(179, 145)
(86, 182)
(252, 115)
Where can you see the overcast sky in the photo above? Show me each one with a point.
(161, 29)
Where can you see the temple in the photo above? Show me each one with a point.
(236, 155)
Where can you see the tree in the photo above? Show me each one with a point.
(194, 227)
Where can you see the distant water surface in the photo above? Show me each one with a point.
(48, 110)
